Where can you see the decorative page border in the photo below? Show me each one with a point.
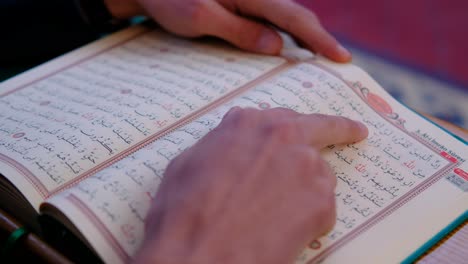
(46, 193)
(383, 109)
(372, 100)
(80, 205)
(23, 171)
(179, 123)
(391, 118)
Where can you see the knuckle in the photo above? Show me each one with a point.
(313, 17)
(231, 113)
(334, 181)
(301, 16)
(291, 21)
(241, 117)
(307, 166)
(246, 34)
(177, 161)
(196, 10)
(251, 37)
(310, 161)
(285, 112)
(328, 173)
(281, 131)
(173, 167)
(246, 114)
(316, 161)
(315, 157)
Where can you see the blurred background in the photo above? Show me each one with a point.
(416, 49)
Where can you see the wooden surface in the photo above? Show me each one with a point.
(30, 248)
(460, 132)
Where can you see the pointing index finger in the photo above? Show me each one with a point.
(323, 130)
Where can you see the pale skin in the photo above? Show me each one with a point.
(255, 189)
(237, 21)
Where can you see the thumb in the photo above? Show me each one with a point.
(242, 32)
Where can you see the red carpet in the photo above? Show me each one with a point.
(431, 35)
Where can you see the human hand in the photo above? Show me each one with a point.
(237, 21)
(253, 190)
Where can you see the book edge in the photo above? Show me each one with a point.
(435, 239)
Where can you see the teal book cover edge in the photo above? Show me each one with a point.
(444, 232)
(439, 236)
(437, 125)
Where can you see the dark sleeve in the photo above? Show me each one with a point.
(33, 31)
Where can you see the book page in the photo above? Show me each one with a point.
(406, 173)
(59, 127)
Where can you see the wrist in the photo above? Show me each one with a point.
(175, 238)
(170, 239)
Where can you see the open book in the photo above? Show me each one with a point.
(85, 139)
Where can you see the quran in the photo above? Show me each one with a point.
(85, 139)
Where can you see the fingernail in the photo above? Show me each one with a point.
(343, 51)
(267, 42)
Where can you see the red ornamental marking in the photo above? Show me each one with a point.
(448, 156)
(88, 116)
(315, 245)
(44, 103)
(125, 91)
(379, 104)
(167, 107)
(264, 105)
(461, 173)
(307, 85)
(160, 124)
(164, 49)
(18, 135)
(128, 231)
